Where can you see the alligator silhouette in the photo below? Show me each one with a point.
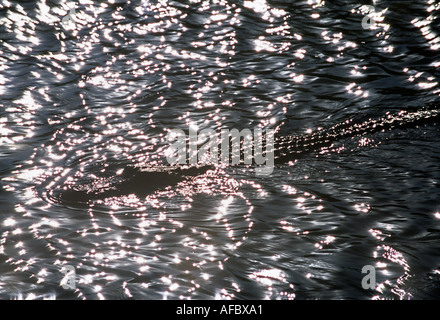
(146, 180)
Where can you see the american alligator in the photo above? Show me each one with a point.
(145, 180)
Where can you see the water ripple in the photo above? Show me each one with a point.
(88, 92)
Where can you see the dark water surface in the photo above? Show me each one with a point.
(86, 93)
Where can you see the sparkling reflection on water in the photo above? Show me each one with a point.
(88, 88)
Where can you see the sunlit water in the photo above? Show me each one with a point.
(88, 89)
